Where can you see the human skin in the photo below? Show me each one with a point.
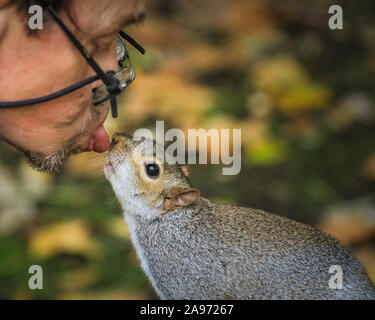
(37, 63)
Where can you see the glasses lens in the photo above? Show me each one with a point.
(122, 53)
(125, 76)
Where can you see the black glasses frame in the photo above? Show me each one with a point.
(112, 84)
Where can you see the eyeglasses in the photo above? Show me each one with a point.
(113, 82)
(126, 74)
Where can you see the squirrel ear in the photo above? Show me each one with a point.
(180, 196)
(186, 198)
(185, 169)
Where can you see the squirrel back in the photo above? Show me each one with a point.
(191, 248)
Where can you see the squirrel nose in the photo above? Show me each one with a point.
(119, 137)
(116, 139)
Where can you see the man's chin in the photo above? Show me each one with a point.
(51, 163)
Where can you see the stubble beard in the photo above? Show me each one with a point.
(51, 163)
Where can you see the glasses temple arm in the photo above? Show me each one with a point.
(134, 43)
(51, 96)
(103, 76)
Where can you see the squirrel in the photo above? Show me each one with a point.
(193, 249)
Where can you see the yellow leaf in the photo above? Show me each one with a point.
(68, 237)
(305, 97)
(266, 151)
(166, 95)
(278, 75)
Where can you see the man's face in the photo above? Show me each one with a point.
(37, 63)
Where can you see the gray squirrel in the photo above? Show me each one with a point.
(191, 248)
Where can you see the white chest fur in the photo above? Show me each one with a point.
(144, 262)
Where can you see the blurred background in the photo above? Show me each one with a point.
(302, 94)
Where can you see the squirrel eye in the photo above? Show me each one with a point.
(152, 170)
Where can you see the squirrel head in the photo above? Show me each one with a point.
(145, 179)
